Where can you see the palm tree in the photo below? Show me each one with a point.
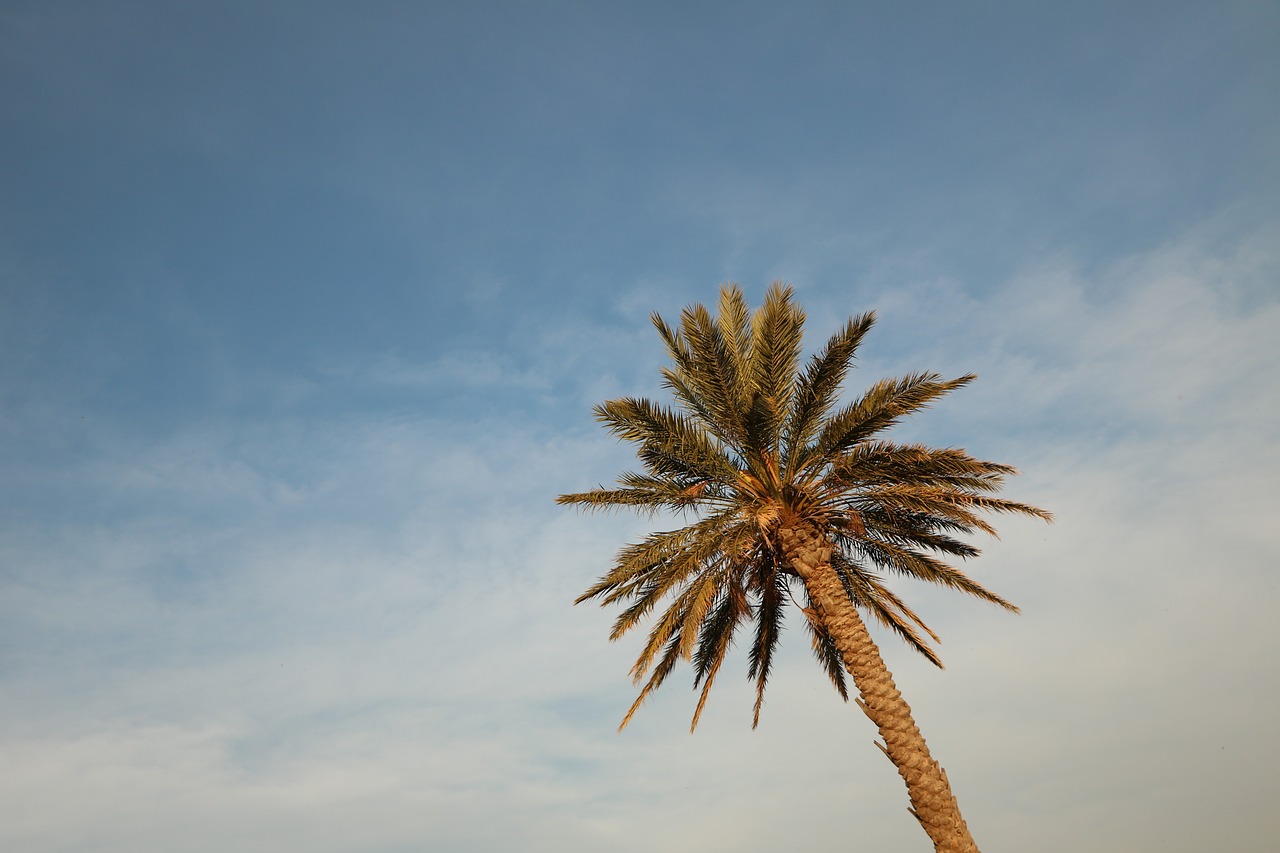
(783, 496)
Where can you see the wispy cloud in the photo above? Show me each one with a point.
(350, 632)
(303, 318)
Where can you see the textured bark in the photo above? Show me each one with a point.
(809, 553)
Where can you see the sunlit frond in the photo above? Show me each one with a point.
(672, 443)
(659, 675)
(669, 552)
(883, 462)
(882, 406)
(777, 332)
(886, 608)
(714, 643)
(734, 322)
(817, 387)
(713, 373)
(911, 563)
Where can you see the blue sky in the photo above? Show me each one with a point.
(303, 307)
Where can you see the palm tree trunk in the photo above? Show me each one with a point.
(809, 553)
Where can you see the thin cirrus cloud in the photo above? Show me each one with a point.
(375, 638)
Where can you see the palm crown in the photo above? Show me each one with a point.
(756, 443)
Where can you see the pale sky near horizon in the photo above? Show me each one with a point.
(303, 308)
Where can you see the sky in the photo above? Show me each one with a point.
(304, 307)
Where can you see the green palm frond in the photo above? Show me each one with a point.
(960, 507)
(681, 620)
(714, 372)
(648, 585)
(687, 387)
(913, 530)
(667, 552)
(642, 492)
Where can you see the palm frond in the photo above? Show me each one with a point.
(667, 551)
(872, 462)
(868, 593)
(917, 528)
(713, 374)
(645, 493)
(769, 615)
(817, 387)
(659, 675)
(671, 442)
(685, 613)
(733, 318)
(914, 530)
(883, 405)
(690, 387)
(777, 331)
(960, 507)
(911, 563)
(715, 641)
(650, 585)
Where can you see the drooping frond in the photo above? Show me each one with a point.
(912, 563)
(914, 530)
(885, 607)
(769, 615)
(668, 556)
(713, 645)
(645, 581)
(659, 675)
(685, 613)
(960, 507)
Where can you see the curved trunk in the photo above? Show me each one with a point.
(809, 553)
